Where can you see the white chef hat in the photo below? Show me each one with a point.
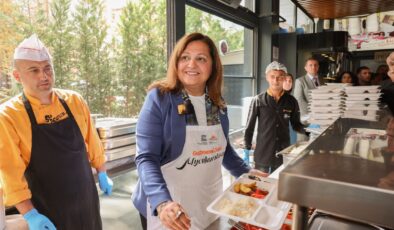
(275, 66)
(32, 49)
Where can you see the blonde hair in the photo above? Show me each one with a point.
(171, 82)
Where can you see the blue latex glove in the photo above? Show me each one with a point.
(37, 221)
(314, 126)
(105, 183)
(246, 156)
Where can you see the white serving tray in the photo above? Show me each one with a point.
(363, 96)
(326, 96)
(269, 212)
(363, 88)
(363, 91)
(348, 102)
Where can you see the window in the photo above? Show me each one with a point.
(235, 43)
(107, 51)
(287, 11)
(304, 22)
(248, 4)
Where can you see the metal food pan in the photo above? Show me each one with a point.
(112, 127)
(114, 132)
(116, 142)
(286, 153)
(114, 154)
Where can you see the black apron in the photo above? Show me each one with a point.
(59, 174)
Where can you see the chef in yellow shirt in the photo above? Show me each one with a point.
(48, 144)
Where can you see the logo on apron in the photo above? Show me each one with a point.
(204, 140)
(202, 157)
(51, 119)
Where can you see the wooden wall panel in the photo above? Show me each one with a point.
(331, 9)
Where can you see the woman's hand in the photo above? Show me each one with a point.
(173, 217)
(257, 172)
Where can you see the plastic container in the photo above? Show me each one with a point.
(266, 212)
(354, 26)
(372, 23)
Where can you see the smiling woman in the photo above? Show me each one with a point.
(195, 67)
(190, 146)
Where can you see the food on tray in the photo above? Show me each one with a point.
(250, 190)
(243, 208)
(253, 177)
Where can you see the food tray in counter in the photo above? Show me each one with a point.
(112, 127)
(292, 151)
(252, 200)
(116, 142)
(113, 154)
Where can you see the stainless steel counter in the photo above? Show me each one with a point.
(345, 185)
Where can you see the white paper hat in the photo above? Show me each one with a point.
(32, 49)
(275, 66)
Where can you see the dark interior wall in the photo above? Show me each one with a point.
(267, 12)
(287, 44)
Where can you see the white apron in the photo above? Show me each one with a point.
(194, 179)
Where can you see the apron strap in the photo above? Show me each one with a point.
(31, 113)
(29, 110)
(68, 111)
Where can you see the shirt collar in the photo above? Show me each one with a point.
(36, 101)
(269, 92)
(311, 77)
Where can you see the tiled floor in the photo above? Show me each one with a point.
(117, 210)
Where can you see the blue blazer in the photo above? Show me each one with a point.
(160, 136)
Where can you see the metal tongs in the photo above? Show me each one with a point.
(236, 225)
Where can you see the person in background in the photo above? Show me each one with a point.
(380, 75)
(182, 140)
(288, 87)
(387, 182)
(288, 83)
(347, 77)
(363, 76)
(387, 86)
(302, 87)
(273, 109)
(48, 145)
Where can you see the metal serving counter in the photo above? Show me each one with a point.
(349, 185)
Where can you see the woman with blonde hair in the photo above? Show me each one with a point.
(182, 140)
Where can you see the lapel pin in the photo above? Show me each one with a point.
(181, 109)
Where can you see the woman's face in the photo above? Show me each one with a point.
(288, 83)
(195, 67)
(346, 78)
